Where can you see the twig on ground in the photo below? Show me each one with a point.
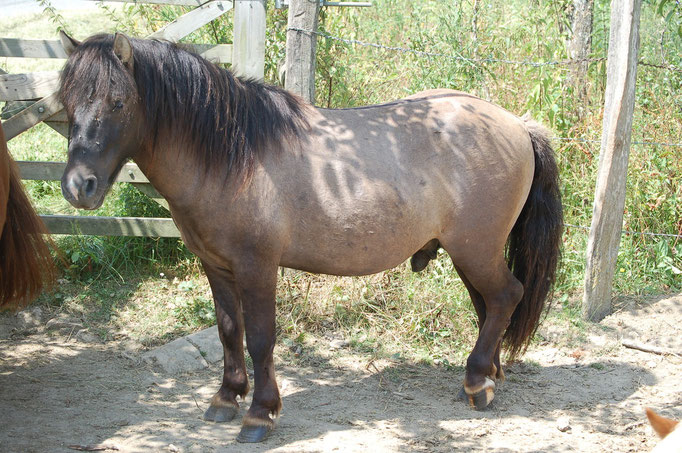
(632, 344)
(197, 403)
(93, 447)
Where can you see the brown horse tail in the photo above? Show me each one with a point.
(534, 246)
(26, 265)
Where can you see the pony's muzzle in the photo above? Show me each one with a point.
(81, 191)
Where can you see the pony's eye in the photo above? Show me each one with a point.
(118, 104)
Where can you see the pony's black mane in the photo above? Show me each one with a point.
(226, 121)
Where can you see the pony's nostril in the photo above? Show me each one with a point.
(90, 186)
(70, 189)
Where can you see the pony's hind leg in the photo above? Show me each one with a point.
(501, 292)
(479, 306)
(224, 405)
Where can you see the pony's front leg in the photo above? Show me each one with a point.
(257, 290)
(235, 383)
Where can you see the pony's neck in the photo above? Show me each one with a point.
(222, 122)
(171, 171)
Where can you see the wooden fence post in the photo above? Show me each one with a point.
(301, 46)
(248, 57)
(609, 198)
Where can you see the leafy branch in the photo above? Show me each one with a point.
(53, 14)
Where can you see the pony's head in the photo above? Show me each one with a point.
(105, 115)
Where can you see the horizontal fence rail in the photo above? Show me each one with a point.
(102, 226)
(44, 48)
(111, 226)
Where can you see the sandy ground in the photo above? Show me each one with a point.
(60, 388)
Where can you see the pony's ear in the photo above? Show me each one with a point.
(124, 50)
(68, 43)
(663, 426)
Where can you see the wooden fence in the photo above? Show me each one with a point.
(246, 55)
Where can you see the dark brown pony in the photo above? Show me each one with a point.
(256, 179)
(25, 261)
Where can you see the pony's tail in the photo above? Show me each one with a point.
(534, 246)
(26, 266)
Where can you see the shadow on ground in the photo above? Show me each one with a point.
(58, 392)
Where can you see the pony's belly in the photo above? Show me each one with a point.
(347, 269)
(351, 255)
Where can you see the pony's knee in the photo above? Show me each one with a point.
(227, 325)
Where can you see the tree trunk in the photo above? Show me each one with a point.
(580, 47)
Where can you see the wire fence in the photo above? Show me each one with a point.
(484, 60)
(635, 142)
(629, 232)
(535, 64)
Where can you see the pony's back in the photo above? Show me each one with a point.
(26, 265)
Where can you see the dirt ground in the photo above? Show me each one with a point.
(61, 388)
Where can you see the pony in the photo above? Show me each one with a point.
(26, 265)
(256, 179)
(668, 430)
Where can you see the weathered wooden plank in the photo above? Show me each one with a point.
(609, 199)
(53, 171)
(111, 226)
(43, 48)
(31, 48)
(187, 23)
(59, 117)
(248, 57)
(217, 53)
(34, 85)
(33, 115)
(149, 190)
(59, 122)
(161, 2)
(285, 3)
(61, 128)
(300, 49)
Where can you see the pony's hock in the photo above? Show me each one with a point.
(255, 178)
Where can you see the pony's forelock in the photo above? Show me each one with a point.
(94, 70)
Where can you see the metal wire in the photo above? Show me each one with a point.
(420, 53)
(636, 142)
(625, 232)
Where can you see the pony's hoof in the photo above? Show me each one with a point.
(481, 399)
(252, 434)
(220, 414)
(462, 395)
